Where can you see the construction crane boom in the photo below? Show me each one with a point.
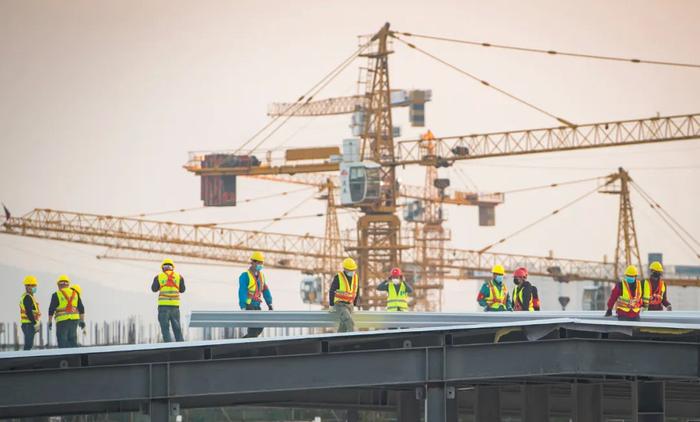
(293, 252)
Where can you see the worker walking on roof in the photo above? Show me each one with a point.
(398, 289)
(69, 311)
(493, 295)
(252, 288)
(626, 297)
(525, 296)
(169, 285)
(654, 293)
(29, 313)
(344, 295)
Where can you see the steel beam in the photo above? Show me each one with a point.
(588, 402)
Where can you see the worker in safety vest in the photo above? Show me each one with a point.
(398, 289)
(344, 295)
(626, 297)
(169, 285)
(68, 309)
(29, 313)
(654, 293)
(525, 296)
(493, 295)
(253, 288)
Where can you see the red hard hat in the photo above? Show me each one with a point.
(520, 273)
(396, 272)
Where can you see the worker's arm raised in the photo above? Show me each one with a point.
(409, 287)
(383, 286)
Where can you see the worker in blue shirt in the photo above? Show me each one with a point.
(252, 288)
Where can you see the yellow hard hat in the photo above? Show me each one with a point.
(77, 288)
(167, 261)
(349, 264)
(656, 266)
(498, 269)
(30, 280)
(63, 278)
(631, 271)
(257, 256)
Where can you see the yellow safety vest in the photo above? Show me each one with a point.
(255, 287)
(397, 301)
(626, 302)
(497, 298)
(654, 297)
(346, 291)
(67, 305)
(169, 293)
(518, 304)
(23, 312)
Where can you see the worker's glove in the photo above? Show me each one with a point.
(269, 307)
(36, 327)
(81, 324)
(668, 308)
(608, 312)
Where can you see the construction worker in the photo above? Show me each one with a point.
(493, 295)
(344, 294)
(525, 297)
(398, 289)
(69, 311)
(252, 288)
(29, 313)
(169, 285)
(654, 293)
(626, 297)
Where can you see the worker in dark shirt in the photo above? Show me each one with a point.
(29, 313)
(626, 297)
(525, 296)
(344, 295)
(69, 311)
(169, 284)
(655, 298)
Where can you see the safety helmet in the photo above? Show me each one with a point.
(167, 261)
(257, 256)
(77, 288)
(520, 273)
(631, 271)
(63, 279)
(498, 269)
(656, 266)
(30, 280)
(396, 272)
(349, 264)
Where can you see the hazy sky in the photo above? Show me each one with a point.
(101, 101)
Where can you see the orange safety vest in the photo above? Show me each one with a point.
(626, 302)
(67, 305)
(255, 287)
(496, 299)
(347, 291)
(654, 297)
(24, 319)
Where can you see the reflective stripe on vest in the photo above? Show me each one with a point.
(67, 305)
(626, 302)
(23, 312)
(397, 301)
(169, 293)
(654, 297)
(496, 298)
(346, 291)
(255, 287)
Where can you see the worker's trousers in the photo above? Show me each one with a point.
(67, 333)
(253, 332)
(170, 316)
(344, 311)
(29, 331)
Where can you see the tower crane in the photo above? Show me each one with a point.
(367, 168)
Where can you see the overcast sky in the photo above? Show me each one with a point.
(101, 101)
